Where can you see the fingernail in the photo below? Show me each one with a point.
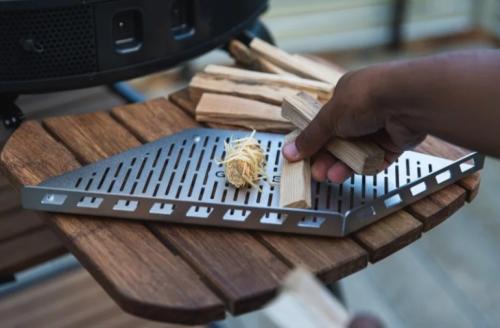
(291, 152)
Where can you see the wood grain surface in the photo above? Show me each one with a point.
(230, 110)
(320, 89)
(254, 273)
(329, 265)
(203, 82)
(113, 251)
(388, 235)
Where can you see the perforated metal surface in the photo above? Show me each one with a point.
(65, 37)
(178, 179)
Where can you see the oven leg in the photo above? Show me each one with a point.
(11, 115)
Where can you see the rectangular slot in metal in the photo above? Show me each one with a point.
(236, 215)
(90, 202)
(311, 222)
(273, 218)
(162, 208)
(199, 212)
(124, 205)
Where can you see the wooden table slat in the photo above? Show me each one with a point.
(438, 147)
(329, 258)
(389, 235)
(141, 274)
(439, 206)
(244, 276)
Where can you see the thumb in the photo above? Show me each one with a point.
(312, 138)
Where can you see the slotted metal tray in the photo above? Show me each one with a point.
(177, 179)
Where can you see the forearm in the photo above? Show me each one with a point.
(454, 96)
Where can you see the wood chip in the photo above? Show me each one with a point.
(295, 182)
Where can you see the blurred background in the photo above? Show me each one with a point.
(449, 278)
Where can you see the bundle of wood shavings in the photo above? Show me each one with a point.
(245, 162)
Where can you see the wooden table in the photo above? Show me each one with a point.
(188, 274)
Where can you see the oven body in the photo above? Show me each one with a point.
(49, 45)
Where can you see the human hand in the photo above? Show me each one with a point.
(357, 110)
(365, 321)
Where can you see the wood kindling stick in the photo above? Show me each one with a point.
(295, 181)
(303, 301)
(295, 64)
(323, 90)
(204, 82)
(361, 156)
(248, 113)
(248, 58)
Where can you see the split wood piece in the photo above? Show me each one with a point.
(438, 147)
(326, 67)
(303, 302)
(323, 90)
(247, 113)
(245, 280)
(361, 156)
(295, 182)
(182, 99)
(329, 258)
(294, 64)
(112, 250)
(246, 57)
(203, 82)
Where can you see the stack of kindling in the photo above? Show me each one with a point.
(250, 95)
(272, 90)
